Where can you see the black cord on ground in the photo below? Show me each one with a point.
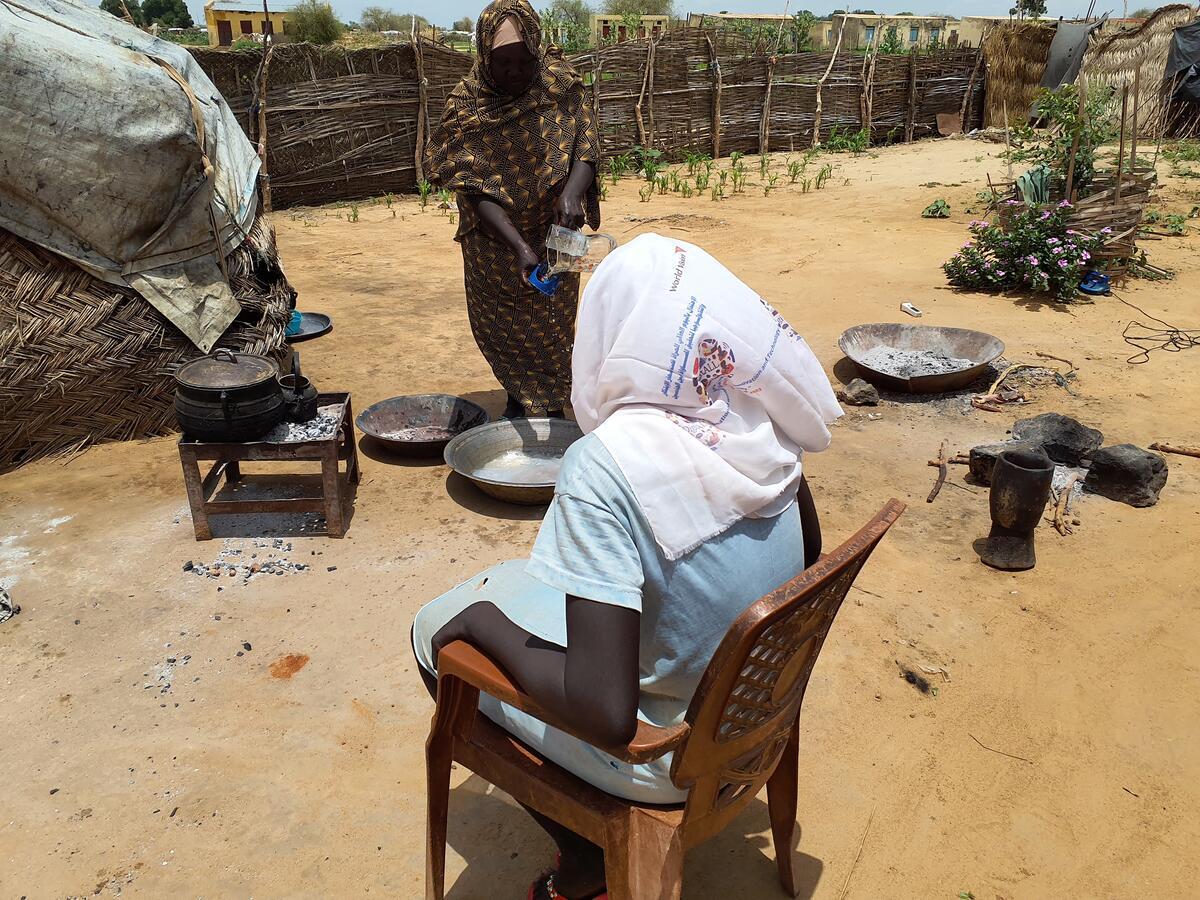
(1146, 338)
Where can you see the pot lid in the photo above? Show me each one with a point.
(226, 369)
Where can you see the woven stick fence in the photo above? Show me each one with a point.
(689, 92)
(83, 361)
(341, 124)
(347, 124)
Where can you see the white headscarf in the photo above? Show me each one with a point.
(701, 392)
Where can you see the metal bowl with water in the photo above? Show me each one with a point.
(420, 424)
(514, 460)
(977, 347)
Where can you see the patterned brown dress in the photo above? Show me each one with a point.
(517, 151)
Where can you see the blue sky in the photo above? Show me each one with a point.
(443, 12)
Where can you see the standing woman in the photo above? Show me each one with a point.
(518, 145)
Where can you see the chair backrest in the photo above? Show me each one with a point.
(746, 706)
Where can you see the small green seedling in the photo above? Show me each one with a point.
(938, 209)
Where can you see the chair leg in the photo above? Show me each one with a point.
(782, 794)
(437, 766)
(643, 859)
(452, 718)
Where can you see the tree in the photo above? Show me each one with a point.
(376, 18)
(1029, 9)
(1144, 13)
(891, 45)
(116, 8)
(639, 8)
(167, 13)
(568, 23)
(315, 22)
(464, 24)
(803, 23)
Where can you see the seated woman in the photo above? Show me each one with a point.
(682, 505)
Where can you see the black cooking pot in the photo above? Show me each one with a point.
(228, 396)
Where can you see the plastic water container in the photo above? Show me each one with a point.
(568, 250)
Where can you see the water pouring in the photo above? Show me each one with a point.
(569, 250)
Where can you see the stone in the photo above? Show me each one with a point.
(983, 458)
(859, 393)
(1127, 473)
(1065, 440)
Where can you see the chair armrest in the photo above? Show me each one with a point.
(462, 661)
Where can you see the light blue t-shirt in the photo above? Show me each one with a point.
(595, 543)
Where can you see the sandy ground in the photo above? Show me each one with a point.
(284, 756)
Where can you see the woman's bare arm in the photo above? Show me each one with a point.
(591, 684)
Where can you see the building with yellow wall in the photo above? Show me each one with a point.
(614, 29)
(229, 20)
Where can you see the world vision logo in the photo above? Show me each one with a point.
(678, 268)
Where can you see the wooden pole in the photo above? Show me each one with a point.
(1120, 150)
(870, 122)
(714, 64)
(964, 113)
(653, 60)
(264, 177)
(422, 105)
(816, 137)
(1133, 131)
(911, 117)
(764, 121)
(637, 108)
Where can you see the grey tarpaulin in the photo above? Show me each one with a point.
(117, 152)
(1183, 62)
(1066, 53)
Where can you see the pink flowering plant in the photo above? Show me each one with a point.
(1035, 250)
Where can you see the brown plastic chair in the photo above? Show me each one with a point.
(741, 731)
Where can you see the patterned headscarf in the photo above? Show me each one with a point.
(507, 148)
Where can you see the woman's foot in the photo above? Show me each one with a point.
(514, 409)
(546, 888)
(580, 876)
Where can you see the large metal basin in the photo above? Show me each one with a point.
(514, 460)
(977, 346)
(420, 424)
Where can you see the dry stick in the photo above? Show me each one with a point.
(816, 139)
(1060, 508)
(1074, 368)
(858, 855)
(1172, 448)
(942, 463)
(994, 750)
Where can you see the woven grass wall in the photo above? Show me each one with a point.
(83, 361)
(1138, 59)
(1015, 55)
